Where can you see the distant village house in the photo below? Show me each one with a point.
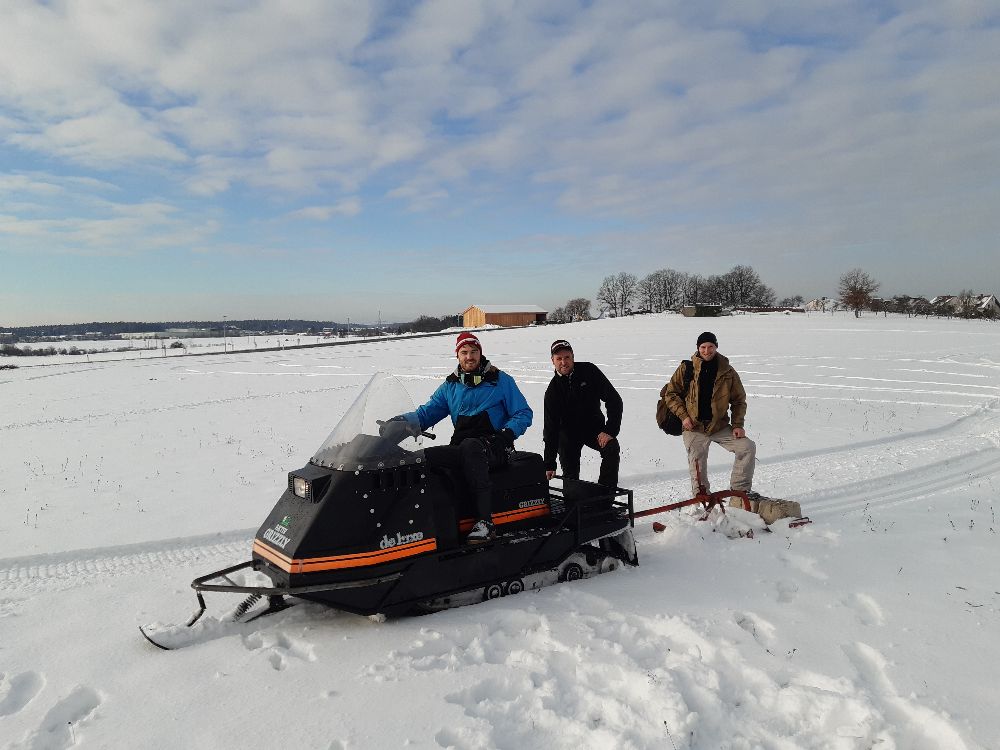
(980, 305)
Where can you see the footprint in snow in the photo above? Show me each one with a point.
(61, 727)
(803, 564)
(459, 739)
(787, 591)
(280, 648)
(20, 690)
(866, 608)
(761, 630)
(915, 726)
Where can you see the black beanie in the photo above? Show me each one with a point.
(707, 338)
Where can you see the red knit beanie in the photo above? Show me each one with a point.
(466, 338)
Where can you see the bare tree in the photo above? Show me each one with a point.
(856, 290)
(672, 288)
(742, 286)
(661, 290)
(578, 308)
(648, 292)
(965, 303)
(797, 301)
(714, 290)
(693, 287)
(616, 292)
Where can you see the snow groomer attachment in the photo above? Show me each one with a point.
(769, 510)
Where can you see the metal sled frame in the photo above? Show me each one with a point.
(710, 500)
(203, 584)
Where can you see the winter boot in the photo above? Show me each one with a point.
(481, 533)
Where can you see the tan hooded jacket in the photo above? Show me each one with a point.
(727, 394)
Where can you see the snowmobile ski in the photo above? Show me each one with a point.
(198, 630)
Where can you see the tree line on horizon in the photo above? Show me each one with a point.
(619, 294)
(423, 323)
(666, 289)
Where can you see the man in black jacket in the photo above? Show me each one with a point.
(573, 416)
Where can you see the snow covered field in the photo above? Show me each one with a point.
(874, 627)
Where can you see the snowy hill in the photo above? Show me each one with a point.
(874, 627)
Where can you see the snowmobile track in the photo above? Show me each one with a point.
(58, 572)
(955, 473)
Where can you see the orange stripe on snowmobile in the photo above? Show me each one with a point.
(509, 516)
(521, 513)
(336, 562)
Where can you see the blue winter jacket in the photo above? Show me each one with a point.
(498, 399)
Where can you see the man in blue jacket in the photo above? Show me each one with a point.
(488, 412)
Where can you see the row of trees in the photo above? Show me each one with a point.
(577, 308)
(122, 327)
(857, 293)
(668, 289)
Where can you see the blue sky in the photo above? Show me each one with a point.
(326, 160)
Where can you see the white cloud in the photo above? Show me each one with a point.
(349, 207)
(102, 227)
(692, 117)
(102, 140)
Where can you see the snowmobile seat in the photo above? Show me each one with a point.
(521, 479)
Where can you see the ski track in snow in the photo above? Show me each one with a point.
(909, 485)
(130, 413)
(68, 570)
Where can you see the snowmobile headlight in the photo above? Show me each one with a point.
(301, 488)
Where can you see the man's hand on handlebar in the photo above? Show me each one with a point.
(397, 428)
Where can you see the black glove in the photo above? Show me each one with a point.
(397, 428)
(501, 444)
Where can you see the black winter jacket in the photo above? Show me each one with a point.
(573, 406)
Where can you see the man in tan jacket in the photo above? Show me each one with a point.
(704, 405)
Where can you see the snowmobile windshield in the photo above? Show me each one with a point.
(360, 442)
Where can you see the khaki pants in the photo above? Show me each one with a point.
(697, 444)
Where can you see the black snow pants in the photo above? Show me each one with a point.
(474, 457)
(570, 448)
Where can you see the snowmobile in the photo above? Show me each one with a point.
(368, 528)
